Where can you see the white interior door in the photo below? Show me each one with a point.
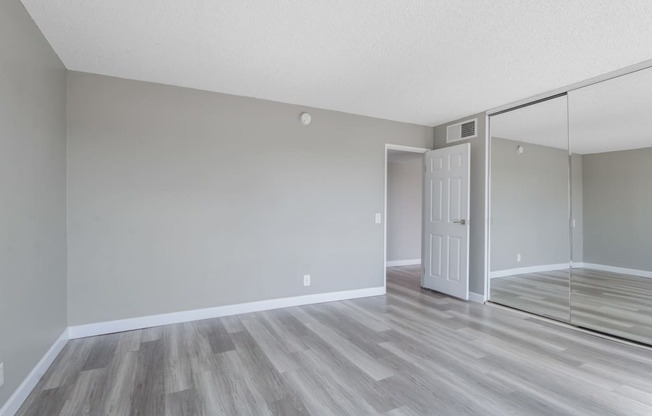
(446, 221)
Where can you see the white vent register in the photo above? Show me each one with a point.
(462, 131)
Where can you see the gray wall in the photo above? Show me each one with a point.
(180, 199)
(404, 197)
(577, 192)
(617, 207)
(529, 205)
(477, 202)
(33, 189)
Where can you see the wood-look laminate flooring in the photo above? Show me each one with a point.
(411, 352)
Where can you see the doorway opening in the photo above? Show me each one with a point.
(404, 166)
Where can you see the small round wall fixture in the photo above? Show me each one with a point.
(520, 149)
(305, 119)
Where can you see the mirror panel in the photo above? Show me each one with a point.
(611, 146)
(530, 243)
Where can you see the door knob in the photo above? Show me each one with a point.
(460, 222)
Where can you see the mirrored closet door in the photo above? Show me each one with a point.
(611, 144)
(530, 244)
(571, 207)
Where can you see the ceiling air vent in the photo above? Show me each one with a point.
(462, 131)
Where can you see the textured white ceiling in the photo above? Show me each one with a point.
(419, 61)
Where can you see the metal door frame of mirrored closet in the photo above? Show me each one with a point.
(559, 92)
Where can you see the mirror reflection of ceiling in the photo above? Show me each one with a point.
(608, 116)
(612, 115)
(543, 124)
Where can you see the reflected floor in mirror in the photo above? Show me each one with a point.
(543, 293)
(615, 303)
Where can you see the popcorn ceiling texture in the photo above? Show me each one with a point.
(425, 62)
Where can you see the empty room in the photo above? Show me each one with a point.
(398, 208)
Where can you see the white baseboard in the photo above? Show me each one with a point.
(396, 263)
(22, 392)
(476, 297)
(101, 328)
(612, 269)
(531, 269)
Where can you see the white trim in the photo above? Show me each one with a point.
(613, 269)
(487, 204)
(531, 269)
(22, 392)
(109, 327)
(476, 297)
(396, 263)
(389, 146)
(402, 148)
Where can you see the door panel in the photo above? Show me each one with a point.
(455, 258)
(436, 204)
(611, 147)
(455, 200)
(530, 244)
(435, 255)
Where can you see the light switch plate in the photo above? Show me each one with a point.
(379, 218)
(2, 374)
(306, 280)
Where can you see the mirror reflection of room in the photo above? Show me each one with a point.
(611, 142)
(530, 245)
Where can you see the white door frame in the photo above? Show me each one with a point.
(401, 148)
(487, 206)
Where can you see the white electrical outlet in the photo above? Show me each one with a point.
(2, 374)
(379, 218)
(518, 258)
(306, 280)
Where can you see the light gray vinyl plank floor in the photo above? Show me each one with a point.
(411, 352)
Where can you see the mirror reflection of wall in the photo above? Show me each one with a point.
(530, 245)
(611, 142)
